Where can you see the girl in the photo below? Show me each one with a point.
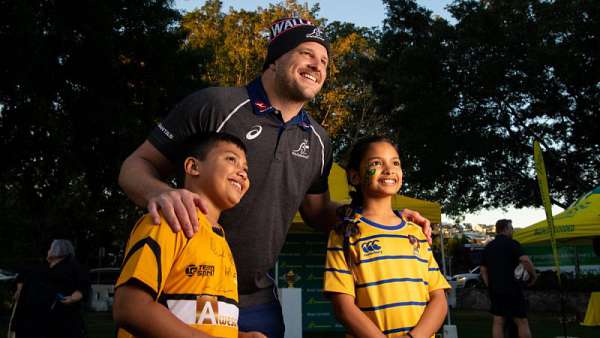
(380, 273)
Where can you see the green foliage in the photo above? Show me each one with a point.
(81, 86)
(467, 101)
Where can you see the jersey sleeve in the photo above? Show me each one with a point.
(189, 117)
(150, 254)
(435, 279)
(320, 184)
(338, 276)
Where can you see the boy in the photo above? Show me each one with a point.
(171, 286)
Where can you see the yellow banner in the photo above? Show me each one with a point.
(543, 184)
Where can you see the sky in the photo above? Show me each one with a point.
(371, 13)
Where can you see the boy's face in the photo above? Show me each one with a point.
(222, 176)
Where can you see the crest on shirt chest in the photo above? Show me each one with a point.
(416, 245)
(303, 149)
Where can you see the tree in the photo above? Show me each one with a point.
(82, 83)
(468, 100)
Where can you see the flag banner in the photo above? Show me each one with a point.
(544, 192)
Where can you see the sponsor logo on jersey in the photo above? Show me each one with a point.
(371, 247)
(165, 131)
(261, 106)
(303, 150)
(202, 270)
(212, 312)
(204, 310)
(254, 132)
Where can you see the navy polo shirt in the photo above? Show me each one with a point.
(286, 161)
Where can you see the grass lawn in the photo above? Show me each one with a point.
(470, 324)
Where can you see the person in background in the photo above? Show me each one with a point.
(498, 262)
(68, 283)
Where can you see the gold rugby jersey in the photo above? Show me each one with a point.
(195, 278)
(391, 275)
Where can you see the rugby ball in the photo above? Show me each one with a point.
(521, 273)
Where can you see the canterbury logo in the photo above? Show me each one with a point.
(254, 132)
(371, 246)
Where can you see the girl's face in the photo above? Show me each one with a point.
(380, 171)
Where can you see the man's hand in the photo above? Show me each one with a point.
(415, 217)
(178, 207)
(251, 334)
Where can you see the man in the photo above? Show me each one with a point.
(289, 158)
(500, 258)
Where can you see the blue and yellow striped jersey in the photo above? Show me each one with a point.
(194, 278)
(391, 273)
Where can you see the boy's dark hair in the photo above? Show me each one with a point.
(348, 227)
(199, 145)
(502, 225)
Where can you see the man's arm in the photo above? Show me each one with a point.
(484, 274)
(140, 178)
(136, 311)
(528, 265)
(320, 212)
(353, 319)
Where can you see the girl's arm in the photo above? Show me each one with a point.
(136, 311)
(433, 317)
(352, 317)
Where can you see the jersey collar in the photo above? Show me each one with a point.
(262, 106)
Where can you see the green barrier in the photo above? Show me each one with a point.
(304, 254)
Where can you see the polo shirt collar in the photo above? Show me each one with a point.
(262, 106)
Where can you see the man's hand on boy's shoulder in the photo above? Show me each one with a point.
(178, 207)
(416, 217)
(251, 334)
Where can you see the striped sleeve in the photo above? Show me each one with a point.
(435, 278)
(150, 254)
(338, 277)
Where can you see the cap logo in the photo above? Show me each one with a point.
(317, 33)
(287, 24)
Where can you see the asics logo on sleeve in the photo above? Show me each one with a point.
(254, 132)
(370, 247)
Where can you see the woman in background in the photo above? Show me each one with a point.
(68, 282)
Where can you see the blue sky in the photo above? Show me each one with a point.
(366, 13)
(370, 13)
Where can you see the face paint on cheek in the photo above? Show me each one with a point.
(369, 173)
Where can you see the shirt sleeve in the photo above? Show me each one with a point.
(338, 277)
(151, 252)
(189, 117)
(321, 183)
(435, 280)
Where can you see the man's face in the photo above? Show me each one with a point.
(301, 72)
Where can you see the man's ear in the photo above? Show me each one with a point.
(353, 177)
(191, 166)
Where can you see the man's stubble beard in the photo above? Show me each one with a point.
(289, 89)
